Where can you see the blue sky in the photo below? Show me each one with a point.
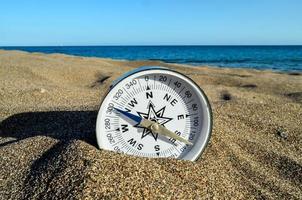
(150, 22)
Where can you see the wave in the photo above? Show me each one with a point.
(258, 57)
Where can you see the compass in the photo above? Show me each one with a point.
(155, 112)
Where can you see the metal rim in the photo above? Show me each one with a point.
(148, 68)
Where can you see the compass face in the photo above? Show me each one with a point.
(161, 96)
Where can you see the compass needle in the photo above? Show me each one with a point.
(155, 112)
(171, 134)
(133, 117)
(153, 126)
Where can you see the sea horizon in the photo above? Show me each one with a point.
(271, 57)
(146, 45)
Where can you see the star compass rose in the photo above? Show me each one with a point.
(153, 115)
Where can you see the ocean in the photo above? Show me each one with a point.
(279, 58)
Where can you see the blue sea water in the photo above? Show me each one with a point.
(280, 58)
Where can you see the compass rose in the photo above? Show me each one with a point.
(153, 115)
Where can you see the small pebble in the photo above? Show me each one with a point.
(42, 90)
(226, 96)
(282, 134)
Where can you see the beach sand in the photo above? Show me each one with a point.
(48, 108)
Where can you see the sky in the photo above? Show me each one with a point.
(150, 22)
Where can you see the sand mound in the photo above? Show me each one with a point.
(48, 109)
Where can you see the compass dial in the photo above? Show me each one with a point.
(155, 112)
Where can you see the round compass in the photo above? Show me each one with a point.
(155, 112)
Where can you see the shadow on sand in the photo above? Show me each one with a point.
(61, 125)
(66, 126)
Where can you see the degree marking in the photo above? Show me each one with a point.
(181, 90)
(182, 101)
(117, 103)
(176, 149)
(127, 150)
(123, 99)
(112, 130)
(116, 143)
(190, 101)
(169, 82)
(154, 80)
(126, 91)
(134, 91)
(167, 87)
(139, 83)
(114, 117)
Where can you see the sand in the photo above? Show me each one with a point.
(48, 107)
